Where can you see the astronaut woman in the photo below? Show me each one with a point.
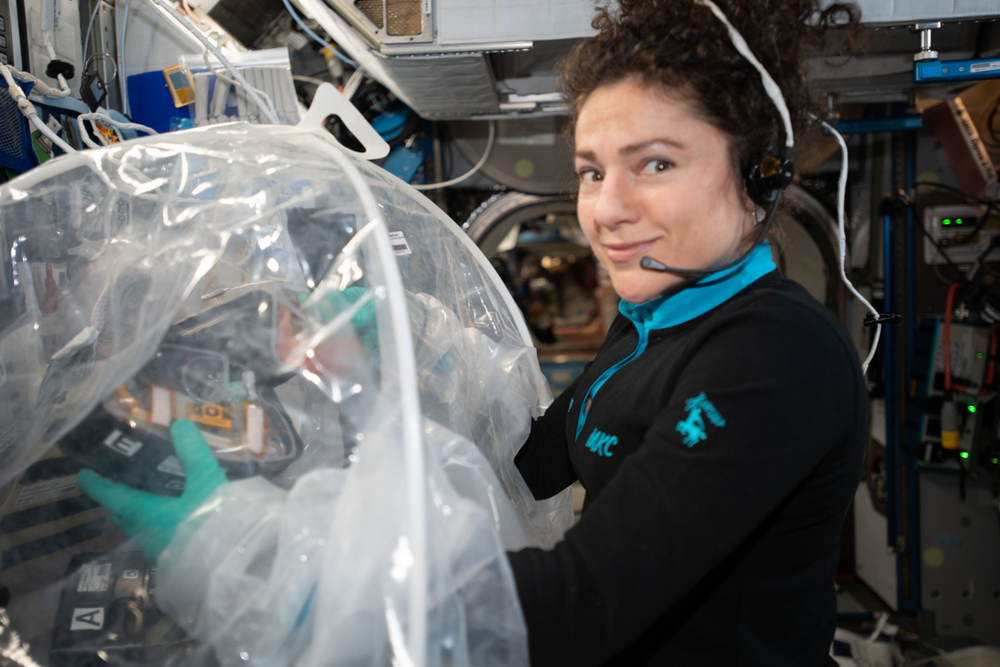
(719, 430)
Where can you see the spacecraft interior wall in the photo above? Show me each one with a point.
(319, 322)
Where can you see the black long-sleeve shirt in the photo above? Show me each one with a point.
(719, 462)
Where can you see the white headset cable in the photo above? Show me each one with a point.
(770, 87)
(842, 239)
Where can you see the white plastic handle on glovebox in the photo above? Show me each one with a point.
(329, 102)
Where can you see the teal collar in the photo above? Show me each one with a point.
(687, 304)
(701, 297)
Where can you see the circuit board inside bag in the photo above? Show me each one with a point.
(221, 378)
(107, 614)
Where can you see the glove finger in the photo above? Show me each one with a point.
(120, 500)
(191, 448)
(365, 317)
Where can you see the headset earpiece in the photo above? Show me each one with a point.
(768, 177)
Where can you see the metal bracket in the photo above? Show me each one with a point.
(926, 53)
(946, 71)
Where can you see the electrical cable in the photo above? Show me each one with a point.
(122, 82)
(40, 86)
(322, 42)
(28, 110)
(90, 27)
(991, 367)
(842, 240)
(309, 79)
(47, 131)
(107, 120)
(990, 115)
(190, 12)
(476, 168)
(84, 134)
(267, 98)
(353, 83)
(940, 276)
(251, 92)
(950, 303)
(64, 90)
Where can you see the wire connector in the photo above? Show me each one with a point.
(882, 318)
(896, 201)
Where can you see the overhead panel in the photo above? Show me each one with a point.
(913, 11)
(388, 21)
(447, 85)
(445, 70)
(438, 55)
(475, 21)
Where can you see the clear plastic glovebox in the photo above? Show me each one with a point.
(354, 364)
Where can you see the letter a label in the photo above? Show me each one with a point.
(87, 618)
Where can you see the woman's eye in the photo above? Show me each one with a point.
(589, 176)
(655, 166)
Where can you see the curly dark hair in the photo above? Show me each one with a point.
(680, 44)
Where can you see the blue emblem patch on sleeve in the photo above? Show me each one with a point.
(693, 428)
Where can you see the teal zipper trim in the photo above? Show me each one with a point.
(664, 312)
(605, 376)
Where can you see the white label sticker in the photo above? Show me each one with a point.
(172, 466)
(51, 14)
(162, 404)
(984, 67)
(130, 574)
(94, 578)
(87, 618)
(399, 245)
(126, 446)
(47, 491)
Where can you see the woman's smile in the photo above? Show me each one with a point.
(620, 253)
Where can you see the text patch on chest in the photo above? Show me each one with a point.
(601, 443)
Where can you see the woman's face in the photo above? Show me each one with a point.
(655, 180)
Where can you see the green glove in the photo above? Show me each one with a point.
(364, 320)
(148, 519)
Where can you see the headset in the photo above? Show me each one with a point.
(765, 182)
(766, 179)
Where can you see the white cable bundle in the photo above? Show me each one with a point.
(27, 109)
(842, 239)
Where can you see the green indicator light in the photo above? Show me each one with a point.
(995, 461)
(958, 221)
(972, 408)
(946, 221)
(964, 455)
(979, 355)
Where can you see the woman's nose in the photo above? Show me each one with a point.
(616, 202)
